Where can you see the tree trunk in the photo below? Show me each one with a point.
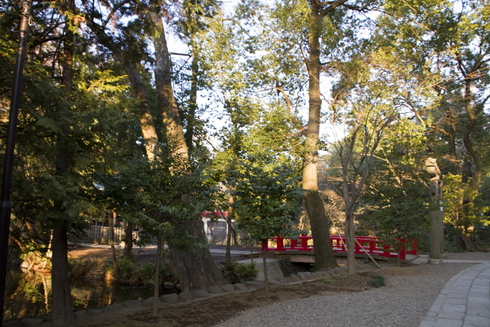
(128, 240)
(455, 167)
(112, 220)
(188, 266)
(195, 271)
(229, 219)
(320, 227)
(266, 274)
(156, 284)
(351, 242)
(148, 129)
(61, 301)
(191, 116)
(165, 94)
(467, 140)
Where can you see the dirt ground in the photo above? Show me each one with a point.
(212, 311)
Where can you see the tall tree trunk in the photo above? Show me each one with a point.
(191, 115)
(188, 265)
(165, 93)
(320, 227)
(148, 129)
(61, 301)
(467, 140)
(61, 305)
(195, 271)
(128, 240)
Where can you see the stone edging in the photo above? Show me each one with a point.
(129, 307)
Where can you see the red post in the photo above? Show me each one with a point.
(402, 252)
(414, 247)
(280, 244)
(372, 245)
(304, 242)
(294, 244)
(386, 252)
(357, 248)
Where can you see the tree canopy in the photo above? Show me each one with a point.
(262, 93)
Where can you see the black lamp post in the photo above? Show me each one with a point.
(5, 207)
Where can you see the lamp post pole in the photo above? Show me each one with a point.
(5, 207)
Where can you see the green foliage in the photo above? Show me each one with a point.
(239, 273)
(126, 268)
(80, 268)
(267, 201)
(146, 272)
(462, 205)
(396, 203)
(152, 197)
(377, 281)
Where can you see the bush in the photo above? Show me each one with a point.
(126, 267)
(239, 273)
(79, 269)
(145, 273)
(377, 281)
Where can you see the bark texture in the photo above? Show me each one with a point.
(320, 227)
(61, 301)
(195, 270)
(467, 139)
(128, 240)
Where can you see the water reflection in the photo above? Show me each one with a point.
(28, 294)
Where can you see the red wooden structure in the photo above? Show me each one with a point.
(371, 245)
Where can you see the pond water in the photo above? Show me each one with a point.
(28, 294)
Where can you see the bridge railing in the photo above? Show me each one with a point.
(364, 244)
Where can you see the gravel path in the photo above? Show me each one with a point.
(404, 301)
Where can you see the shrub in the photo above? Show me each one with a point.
(239, 273)
(377, 281)
(126, 268)
(79, 269)
(146, 272)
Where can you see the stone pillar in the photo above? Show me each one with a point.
(436, 216)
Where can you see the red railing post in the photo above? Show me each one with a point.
(386, 252)
(402, 252)
(357, 249)
(372, 244)
(304, 242)
(294, 244)
(280, 244)
(414, 247)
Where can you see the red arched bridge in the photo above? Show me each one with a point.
(364, 244)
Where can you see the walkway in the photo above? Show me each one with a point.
(464, 301)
